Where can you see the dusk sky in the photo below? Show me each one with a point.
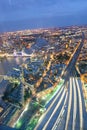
(24, 14)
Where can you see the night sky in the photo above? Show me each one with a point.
(28, 14)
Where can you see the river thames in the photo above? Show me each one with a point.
(7, 64)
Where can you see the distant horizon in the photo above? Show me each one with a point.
(38, 28)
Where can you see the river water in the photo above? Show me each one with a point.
(6, 65)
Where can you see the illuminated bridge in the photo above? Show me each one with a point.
(17, 54)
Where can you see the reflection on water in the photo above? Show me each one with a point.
(6, 65)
